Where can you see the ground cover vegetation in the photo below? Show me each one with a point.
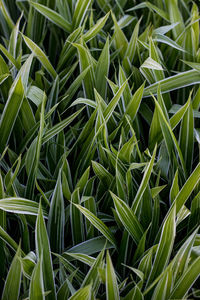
(99, 149)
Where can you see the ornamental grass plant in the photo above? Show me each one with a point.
(99, 149)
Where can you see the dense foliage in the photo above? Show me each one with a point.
(100, 149)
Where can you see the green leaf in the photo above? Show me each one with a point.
(186, 280)
(91, 246)
(187, 188)
(43, 251)
(149, 63)
(41, 56)
(56, 218)
(33, 155)
(92, 276)
(86, 259)
(97, 223)
(113, 103)
(86, 60)
(20, 206)
(6, 15)
(102, 173)
(28, 264)
(112, 291)
(121, 42)
(83, 293)
(128, 219)
(102, 70)
(163, 14)
(165, 246)
(163, 287)
(175, 16)
(76, 218)
(171, 83)
(10, 112)
(131, 49)
(134, 103)
(166, 40)
(144, 183)
(94, 30)
(59, 127)
(170, 139)
(53, 16)
(80, 11)
(13, 281)
(187, 137)
(36, 290)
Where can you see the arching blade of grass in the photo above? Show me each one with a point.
(144, 183)
(96, 222)
(56, 218)
(83, 293)
(43, 252)
(174, 82)
(186, 280)
(76, 218)
(41, 56)
(11, 111)
(102, 70)
(80, 11)
(187, 189)
(112, 291)
(59, 127)
(91, 246)
(187, 137)
(163, 14)
(37, 285)
(165, 246)
(92, 276)
(13, 280)
(6, 15)
(168, 134)
(128, 219)
(94, 30)
(33, 155)
(52, 16)
(20, 206)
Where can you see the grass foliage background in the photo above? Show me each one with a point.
(99, 151)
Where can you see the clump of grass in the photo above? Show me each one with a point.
(99, 152)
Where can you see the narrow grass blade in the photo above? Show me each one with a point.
(96, 222)
(144, 183)
(80, 11)
(165, 246)
(13, 280)
(76, 218)
(83, 293)
(43, 250)
(102, 70)
(174, 82)
(36, 290)
(91, 246)
(92, 276)
(128, 219)
(56, 218)
(53, 16)
(59, 127)
(186, 280)
(94, 30)
(41, 56)
(187, 137)
(11, 111)
(112, 291)
(20, 206)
